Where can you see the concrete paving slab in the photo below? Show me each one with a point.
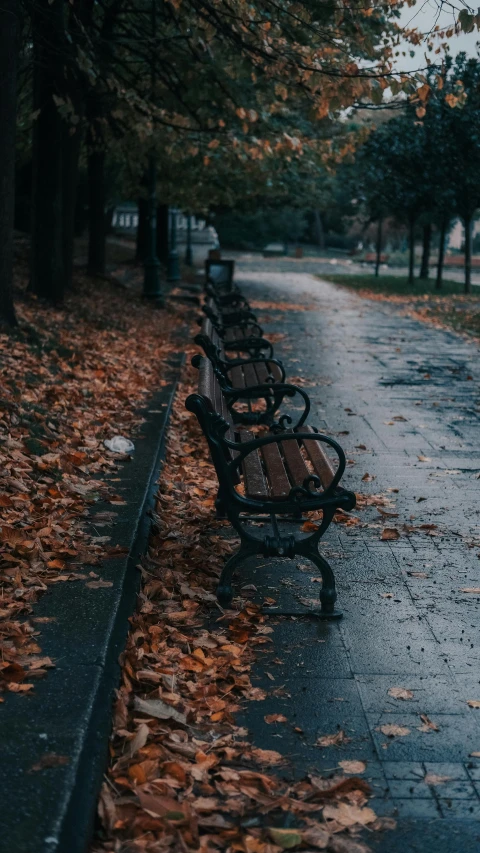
(365, 356)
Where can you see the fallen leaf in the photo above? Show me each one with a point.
(353, 766)
(473, 703)
(333, 740)
(424, 458)
(158, 709)
(389, 534)
(392, 730)
(433, 779)
(285, 838)
(474, 590)
(166, 807)
(400, 693)
(275, 718)
(348, 815)
(387, 515)
(50, 759)
(99, 584)
(428, 724)
(140, 739)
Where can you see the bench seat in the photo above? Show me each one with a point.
(277, 476)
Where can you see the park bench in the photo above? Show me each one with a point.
(262, 367)
(250, 380)
(224, 299)
(274, 478)
(232, 325)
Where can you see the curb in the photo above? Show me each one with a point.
(66, 722)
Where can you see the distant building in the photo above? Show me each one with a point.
(456, 236)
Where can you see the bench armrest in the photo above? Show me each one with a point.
(250, 344)
(273, 394)
(243, 448)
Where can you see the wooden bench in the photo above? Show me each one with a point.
(250, 380)
(229, 317)
(232, 325)
(275, 479)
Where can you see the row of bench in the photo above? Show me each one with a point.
(273, 468)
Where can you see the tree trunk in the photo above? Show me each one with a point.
(441, 254)
(48, 278)
(8, 75)
(468, 253)
(379, 247)
(71, 157)
(96, 212)
(319, 231)
(411, 247)
(162, 233)
(427, 239)
(141, 243)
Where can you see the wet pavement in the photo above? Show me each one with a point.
(403, 399)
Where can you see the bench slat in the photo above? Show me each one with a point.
(262, 372)
(255, 483)
(319, 459)
(250, 375)
(237, 378)
(295, 463)
(275, 469)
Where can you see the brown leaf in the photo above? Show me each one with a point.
(353, 766)
(50, 759)
(428, 724)
(389, 534)
(392, 730)
(473, 703)
(400, 693)
(99, 584)
(161, 806)
(140, 739)
(158, 709)
(333, 740)
(349, 815)
(433, 779)
(275, 718)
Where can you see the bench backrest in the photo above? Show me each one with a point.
(220, 273)
(212, 412)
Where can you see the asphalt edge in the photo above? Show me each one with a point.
(77, 825)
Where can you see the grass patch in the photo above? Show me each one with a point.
(399, 285)
(449, 307)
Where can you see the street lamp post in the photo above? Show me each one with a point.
(151, 279)
(188, 252)
(173, 263)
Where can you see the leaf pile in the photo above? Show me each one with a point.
(183, 776)
(71, 377)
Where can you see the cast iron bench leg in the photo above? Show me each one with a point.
(224, 588)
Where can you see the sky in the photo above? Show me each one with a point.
(423, 16)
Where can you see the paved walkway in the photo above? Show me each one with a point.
(404, 398)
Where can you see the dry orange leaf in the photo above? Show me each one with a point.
(393, 730)
(400, 693)
(275, 718)
(389, 534)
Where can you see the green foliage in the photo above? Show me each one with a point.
(266, 225)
